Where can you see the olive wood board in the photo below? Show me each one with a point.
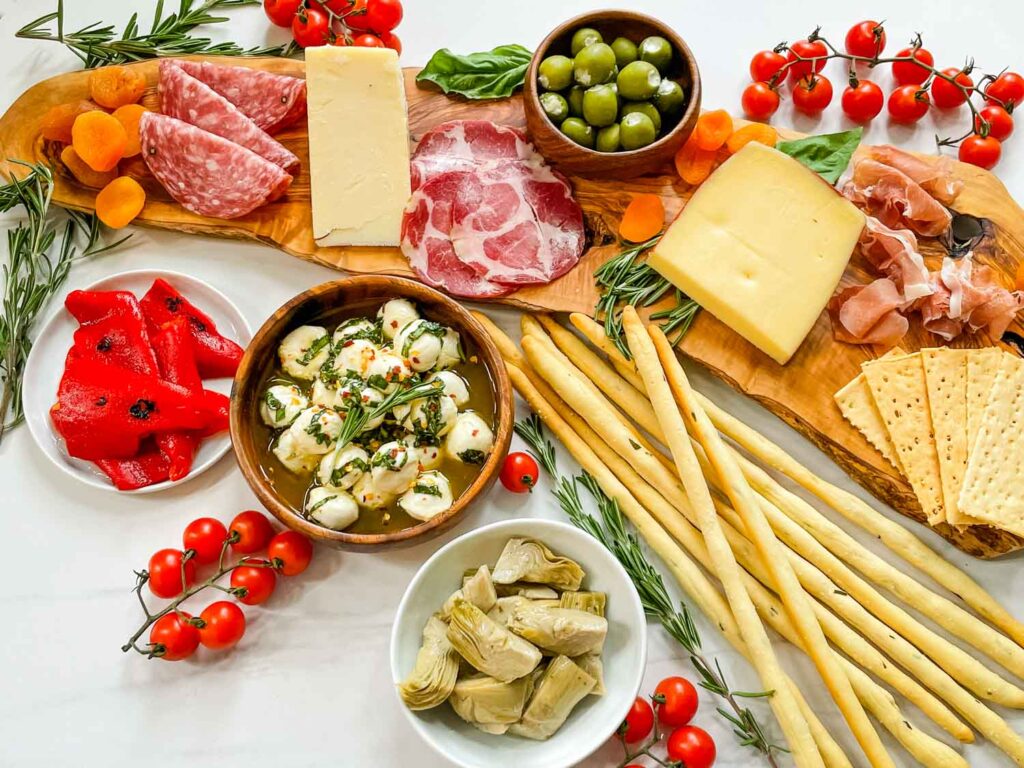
(801, 392)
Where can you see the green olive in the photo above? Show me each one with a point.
(600, 106)
(669, 99)
(638, 81)
(555, 106)
(656, 50)
(608, 138)
(625, 51)
(575, 99)
(644, 108)
(594, 64)
(636, 130)
(583, 37)
(555, 73)
(577, 130)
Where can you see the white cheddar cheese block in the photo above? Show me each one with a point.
(761, 245)
(358, 145)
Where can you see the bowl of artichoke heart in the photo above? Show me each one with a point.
(520, 643)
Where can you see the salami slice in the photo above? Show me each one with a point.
(206, 173)
(186, 98)
(271, 101)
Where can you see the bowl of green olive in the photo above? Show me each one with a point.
(612, 94)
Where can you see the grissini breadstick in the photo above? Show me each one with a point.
(505, 345)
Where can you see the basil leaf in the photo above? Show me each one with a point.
(827, 155)
(491, 74)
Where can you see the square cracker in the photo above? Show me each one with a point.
(994, 484)
(858, 408)
(982, 366)
(898, 388)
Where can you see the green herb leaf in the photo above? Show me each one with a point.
(827, 155)
(473, 456)
(491, 74)
(427, 489)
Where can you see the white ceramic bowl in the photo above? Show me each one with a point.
(45, 366)
(594, 719)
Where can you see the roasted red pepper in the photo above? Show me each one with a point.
(148, 468)
(117, 340)
(216, 355)
(217, 407)
(94, 306)
(177, 360)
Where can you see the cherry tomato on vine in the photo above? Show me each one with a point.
(1007, 88)
(982, 151)
(908, 104)
(680, 701)
(355, 15)
(257, 581)
(909, 73)
(692, 746)
(178, 638)
(368, 41)
(281, 12)
(638, 723)
(294, 551)
(812, 94)
(807, 50)
(1000, 123)
(866, 39)
(760, 101)
(392, 41)
(311, 27)
(253, 529)
(224, 625)
(945, 95)
(338, 6)
(519, 473)
(165, 573)
(383, 15)
(765, 65)
(863, 102)
(205, 536)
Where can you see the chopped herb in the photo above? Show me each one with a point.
(390, 459)
(353, 465)
(428, 489)
(275, 405)
(316, 429)
(473, 456)
(635, 444)
(314, 349)
(320, 503)
(379, 382)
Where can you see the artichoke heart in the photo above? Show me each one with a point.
(504, 607)
(488, 646)
(529, 560)
(565, 631)
(477, 589)
(591, 602)
(531, 591)
(482, 700)
(562, 687)
(436, 670)
(591, 664)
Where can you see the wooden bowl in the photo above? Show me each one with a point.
(570, 156)
(353, 293)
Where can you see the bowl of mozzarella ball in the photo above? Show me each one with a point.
(369, 412)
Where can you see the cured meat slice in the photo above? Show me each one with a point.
(271, 101)
(186, 98)
(895, 199)
(463, 145)
(936, 177)
(206, 173)
(894, 254)
(866, 314)
(977, 297)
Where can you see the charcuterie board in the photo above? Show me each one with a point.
(801, 392)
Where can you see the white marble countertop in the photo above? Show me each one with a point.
(309, 683)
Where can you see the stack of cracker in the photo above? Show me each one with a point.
(952, 422)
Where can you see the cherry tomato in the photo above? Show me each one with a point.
(982, 151)
(311, 27)
(766, 65)
(383, 15)
(368, 41)
(806, 49)
(812, 94)
(692, 746)
(638, 723)
(391, 40)
(680, 701)
(293, 550)
(257, 581)
(1000, 123)
(165, 573)
(760, 101)
(205, 536)
(254, 531)
(908, 104)
(338, 6)
(340, 41)
(354, 13)
(866, 39)
(945, 95)
(281, 12)
(519, 473)
(224, 625)
(863, 102)
(1007, 88)
(909, 73)
(178, 638)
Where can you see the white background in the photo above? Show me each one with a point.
(309, 684)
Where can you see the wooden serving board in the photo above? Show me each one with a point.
(799, 392)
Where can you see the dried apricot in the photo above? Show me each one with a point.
(129, 116)
(116, 86)
(56, 123)
(120, 202)
(694, 164)
(758, 132)
(1020, 278)
(99, 139)
(82, 172)
(643, 219)
(713, 129)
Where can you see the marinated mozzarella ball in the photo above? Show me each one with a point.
(433, 415)
(326, 394)
(282, 404)
(394, 467)
(451, 351)
(343, 468)
(294, 458)
(386, 371)
(455, 386)
(354, 357)
(331, 508)
(430, 495)
(428, 456)
(420, 342)
(370, 398)
(315, 430)
(470, 440)
(368, 495)
(304, 351)
(356, 326)
(396, 314)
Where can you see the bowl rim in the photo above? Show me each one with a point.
(638, 625)
(532, 93)
(272, 330)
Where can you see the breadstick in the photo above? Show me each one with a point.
(505, 345)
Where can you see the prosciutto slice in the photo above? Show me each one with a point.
(934, 176)
(867, 314)
(977, 298)
(895, 199)
(894, 254)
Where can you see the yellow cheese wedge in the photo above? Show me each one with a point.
(358, 145)
(761, 245)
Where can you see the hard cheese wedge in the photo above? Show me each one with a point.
(761, 245)
(358, 145)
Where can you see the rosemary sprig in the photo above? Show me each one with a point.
(543, 450)
(170, 35)
(357, 415)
